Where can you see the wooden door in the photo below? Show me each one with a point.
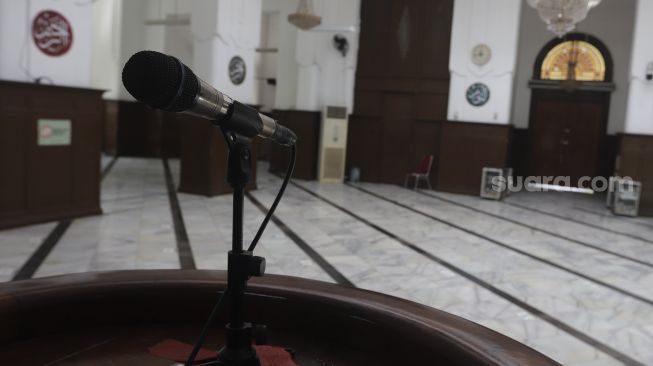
(567, 136)
(402, 86)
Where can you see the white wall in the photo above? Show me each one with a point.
(311, 73)
(221, 30)
(105, 56)
(611, 22)
(494, 23)
(119, 31)
(266, 62)
(325, 77)
(14, 40)
(286, 88)
(156, 36)
(21, 60)
(639, 115)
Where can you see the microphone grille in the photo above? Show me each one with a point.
(160, 81)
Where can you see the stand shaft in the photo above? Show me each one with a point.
(238, 350)
(237, 284)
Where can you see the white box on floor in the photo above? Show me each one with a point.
(626, 197)
(489, 187)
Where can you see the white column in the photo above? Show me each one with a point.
(223, 29)
(311, 73)
(639, 113)
(286, 73)
(496, 24)
(106, 60)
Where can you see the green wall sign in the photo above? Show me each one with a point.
(54, 132)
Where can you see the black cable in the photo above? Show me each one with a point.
(267, 218)
(259, 233)
(205, 330)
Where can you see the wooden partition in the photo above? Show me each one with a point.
(204, 155)
(465, 149)
(133, 129)
(636, 161)
(402, 87)
(306, 125)
(386, 154)
(50, 139)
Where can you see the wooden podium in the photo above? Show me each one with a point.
(50, 138)
(113, 318)
(204, 155)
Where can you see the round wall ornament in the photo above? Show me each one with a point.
(237, 70)
(52, 33)
(478, 94)
(481, 54)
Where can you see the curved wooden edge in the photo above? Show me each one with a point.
(458, 334)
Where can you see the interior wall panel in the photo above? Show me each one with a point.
(636, 157)
(402, 82)
(466, 148)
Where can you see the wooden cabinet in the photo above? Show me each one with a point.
(41, 182)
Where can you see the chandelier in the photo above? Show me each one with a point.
(304, 17)
(561, 16)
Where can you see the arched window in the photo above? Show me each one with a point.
(573, 60)
(576, 57)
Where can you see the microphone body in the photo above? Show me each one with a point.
(215, 105)
(163, 82)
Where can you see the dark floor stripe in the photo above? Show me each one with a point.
(107, 168)
(36, 259)
(598, 227)
(602, 215)
(531, 309)
(506, 246)
(534, 228)
(184, 250)
(315, 256)
(540, 314)
(613, 217)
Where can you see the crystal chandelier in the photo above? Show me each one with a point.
(304, 17)
(561, 16)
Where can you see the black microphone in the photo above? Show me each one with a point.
(164, 82)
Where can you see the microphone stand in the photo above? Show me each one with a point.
(238, 349)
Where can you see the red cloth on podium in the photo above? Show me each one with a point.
(170, 349)
(173, 350)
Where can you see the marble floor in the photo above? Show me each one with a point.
(553, 270)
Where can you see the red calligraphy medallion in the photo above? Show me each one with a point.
(52, 33)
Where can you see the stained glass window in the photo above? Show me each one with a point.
(574, 60)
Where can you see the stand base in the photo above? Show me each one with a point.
(229, 356)
(254, 362)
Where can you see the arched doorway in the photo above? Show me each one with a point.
(572, 83)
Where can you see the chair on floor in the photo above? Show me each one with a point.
(422, 173)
